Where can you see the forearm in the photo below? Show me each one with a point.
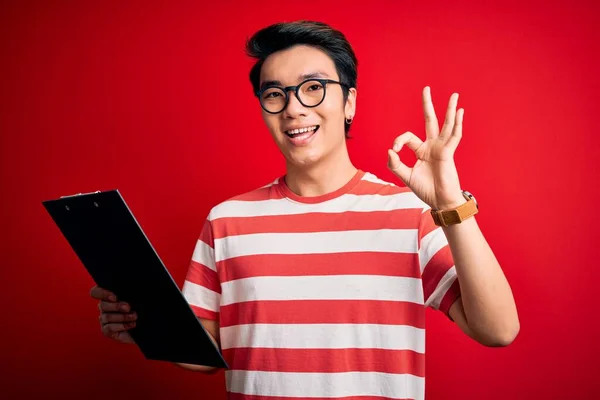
(198, 368)
(487, 299)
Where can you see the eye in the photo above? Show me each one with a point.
(314, 87)
(272, 93)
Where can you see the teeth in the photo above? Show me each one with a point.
(301, 130)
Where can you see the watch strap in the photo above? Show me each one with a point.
(456, 215)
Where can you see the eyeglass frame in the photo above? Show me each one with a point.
(295, 88)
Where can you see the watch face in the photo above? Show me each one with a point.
(470, 196)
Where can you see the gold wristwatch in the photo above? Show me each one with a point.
(458, 214)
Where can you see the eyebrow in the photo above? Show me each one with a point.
(303, 77)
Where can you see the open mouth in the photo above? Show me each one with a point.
(302, 132)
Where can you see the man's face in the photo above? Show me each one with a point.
(288, 68)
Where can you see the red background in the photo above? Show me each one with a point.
(154, 99)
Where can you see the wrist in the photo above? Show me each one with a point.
(449, 205)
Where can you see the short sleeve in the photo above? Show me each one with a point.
(202, 288)
(438, 274)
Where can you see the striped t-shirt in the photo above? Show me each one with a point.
(322, 297)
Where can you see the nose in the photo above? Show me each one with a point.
(294, 108)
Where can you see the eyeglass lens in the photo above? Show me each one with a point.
(310, 94)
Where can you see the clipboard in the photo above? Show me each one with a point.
(114, 249)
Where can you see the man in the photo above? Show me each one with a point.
(315, 286)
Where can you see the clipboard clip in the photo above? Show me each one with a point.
(79, 194)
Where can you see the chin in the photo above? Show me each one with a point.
(303, 156)
(306, 159)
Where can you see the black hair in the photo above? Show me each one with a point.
(284, 35)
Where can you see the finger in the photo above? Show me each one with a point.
(106, 306)
(457, 131)
(432, 128)
(108, 318)
(410, 139)
(450, 116)
(112, 329)
(398, 167)
(102, 294)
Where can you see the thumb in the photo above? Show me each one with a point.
(398, 167)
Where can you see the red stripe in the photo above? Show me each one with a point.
(206, 235)
(368, 187)
(201, 275)
(450, 297)
(435, 270)
(240, 396)
(326, 360)
(407, 218)
(364, 187)
(359, 263)
(347, 187)
(204, 313)
(324, 312)
(265, 193)
(426, 225)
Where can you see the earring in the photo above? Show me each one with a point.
(349, 120)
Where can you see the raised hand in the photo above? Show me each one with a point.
(433, 178)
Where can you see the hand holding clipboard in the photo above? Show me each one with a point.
(117, 254)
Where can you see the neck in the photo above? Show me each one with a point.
(324, 177)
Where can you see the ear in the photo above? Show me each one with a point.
(350, 106)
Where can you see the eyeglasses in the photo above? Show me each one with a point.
(310, 93)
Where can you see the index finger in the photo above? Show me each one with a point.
(102, 294)
(432, 128)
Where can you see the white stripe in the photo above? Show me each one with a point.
(325, 287)
(382, 240)
(270, 184)
(372, 178)
(440, 291)
(339, 384)
(205, 255)
(346, 202)
(324, 336)
(200, 296)
(430, 245)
